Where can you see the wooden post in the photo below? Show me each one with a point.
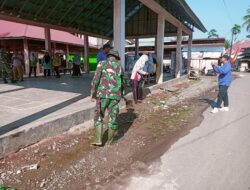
(86, 53)
(47, 40)
(67, 56)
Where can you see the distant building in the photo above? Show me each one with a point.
(204, 51)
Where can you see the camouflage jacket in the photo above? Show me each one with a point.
(4, 58)
(108, 80)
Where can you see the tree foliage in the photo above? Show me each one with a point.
(213, 34)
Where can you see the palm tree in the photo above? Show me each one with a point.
(213, 34)
(227, 43)
(235, 31)
(247, 20)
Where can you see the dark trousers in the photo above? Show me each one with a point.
(57, 71)
(46, 71)
(136, 85)
(32, 68)
(76, 70)
(222, 96)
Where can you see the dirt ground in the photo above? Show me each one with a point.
(145, 132)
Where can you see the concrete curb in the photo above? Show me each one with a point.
(16, 140)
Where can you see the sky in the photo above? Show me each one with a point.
(215, 14)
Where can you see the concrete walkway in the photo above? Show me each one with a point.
(214, 156)
(40, 98)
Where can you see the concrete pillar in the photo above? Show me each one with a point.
(136, 47)
(190, 40)
(86, 53)
(26, 56)
(119, 29)
(160, 48)
(67, 56)
(178, 53)
(47, 40)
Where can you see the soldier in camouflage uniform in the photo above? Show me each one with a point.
(5, 67)
(106, 89)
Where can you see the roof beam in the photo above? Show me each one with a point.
(66, 13)
(157, 8)
(93, 9)
(41, 8)
(80, 12)
(192, 15)
(3, 4)
(53, 10)
(25, 3)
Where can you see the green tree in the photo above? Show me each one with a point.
(213, 34)
(247, 20)
(235, 31)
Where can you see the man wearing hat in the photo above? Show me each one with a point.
(106, 89)
(225, 79)
(102, 54)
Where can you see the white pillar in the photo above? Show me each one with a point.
(119, 29)
(26, 56)
(190, 40)
(47, 39)
(67, 56)
(178, 53)
(136, 46)
(86, 53)
(160, 48)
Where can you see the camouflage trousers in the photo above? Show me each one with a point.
(113, 110)
(6, 71)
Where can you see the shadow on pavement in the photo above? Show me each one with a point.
(26, 120)
(212, 103)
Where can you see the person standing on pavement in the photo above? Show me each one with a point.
(5, 67)
(76, 65)
(225, 79)
(46, 62)
(56, 64)
(17, 66)
(107, 91)
(33, 63)
(136, 76)
(102, 54)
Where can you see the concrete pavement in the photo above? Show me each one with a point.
(214, 156)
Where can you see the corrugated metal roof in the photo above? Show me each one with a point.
(96, 17)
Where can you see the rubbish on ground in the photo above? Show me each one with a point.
(31, 167)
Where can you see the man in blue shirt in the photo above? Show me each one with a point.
(225, 79)
(102, 54)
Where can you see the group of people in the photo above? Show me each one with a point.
(51, 64)
(11, 66)
(107, 88)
